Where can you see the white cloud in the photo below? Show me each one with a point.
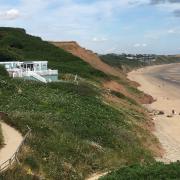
(157, 34)
(171, 31)
(137, 45)
(140, 45)
(10, 14)
(95, 39)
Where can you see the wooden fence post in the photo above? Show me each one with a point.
(14, 157)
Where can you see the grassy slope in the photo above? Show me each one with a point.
(75, 132)
(167, 59)
(18, 45)
(138, 172)
(66, 119)
(123, 63)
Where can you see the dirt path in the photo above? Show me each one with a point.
(97, 176)
(167, 95)
(12, 139)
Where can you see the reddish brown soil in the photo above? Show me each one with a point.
(94, 60)
(88, 56)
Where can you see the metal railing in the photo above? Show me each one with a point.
(47, 72)
(14, 158)
(36, 76)
(23, 72)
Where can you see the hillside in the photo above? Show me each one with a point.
(79, 129)
(88, 56)
(15, 44)
(156, 171)
(124, 64)
(121, 62)
(117, 81)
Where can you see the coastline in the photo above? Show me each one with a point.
(167, 96)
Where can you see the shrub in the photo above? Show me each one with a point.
(3, 71)
(155, 171)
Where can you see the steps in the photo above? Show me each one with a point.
(36, 76)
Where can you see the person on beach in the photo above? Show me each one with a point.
(173, 112)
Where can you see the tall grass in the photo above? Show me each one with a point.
(155, 171)
(73, 132)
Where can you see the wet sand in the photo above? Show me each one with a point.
(163, 84)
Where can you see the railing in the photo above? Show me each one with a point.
(47, 72)
(35, 75)
(21, 72)
(14, 158)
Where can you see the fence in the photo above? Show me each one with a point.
(14, 158)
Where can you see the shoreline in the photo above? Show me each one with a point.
(167, 96)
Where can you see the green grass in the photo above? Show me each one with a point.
(167, 59)
(156, 171)
(74, 131)
(15, 44)
(121, 62)
(66, 121)
(118, 61)
(122, 96)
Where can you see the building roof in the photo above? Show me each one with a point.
(23, 62)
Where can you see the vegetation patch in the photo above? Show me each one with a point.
(73, 131)
(138, 172)
(15, 44)
(122, 96)
(121, 62)
(125, 64)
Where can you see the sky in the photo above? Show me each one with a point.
(104, 26)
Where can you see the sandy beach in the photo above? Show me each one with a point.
(162, 83)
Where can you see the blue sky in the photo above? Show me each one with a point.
(104, 26)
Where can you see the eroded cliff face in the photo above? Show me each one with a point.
(88, 56)
(94, 60)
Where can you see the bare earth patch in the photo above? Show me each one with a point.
(12, 139)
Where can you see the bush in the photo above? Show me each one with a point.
(138, 172)
(8, 55)
(3, 71)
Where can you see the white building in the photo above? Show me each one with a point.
(32, 70)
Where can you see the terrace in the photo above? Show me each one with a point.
(32, 70)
